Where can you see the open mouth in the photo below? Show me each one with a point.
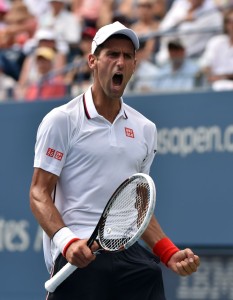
(117, 79)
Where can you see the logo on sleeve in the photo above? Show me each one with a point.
(58, 155)
(54, 153)
(50, 152)
(129, 132)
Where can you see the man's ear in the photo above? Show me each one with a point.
(92, 61)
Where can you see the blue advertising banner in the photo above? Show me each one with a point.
(192, 172)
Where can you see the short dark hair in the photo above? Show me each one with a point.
(175, 45)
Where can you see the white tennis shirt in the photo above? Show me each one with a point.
(92, 157)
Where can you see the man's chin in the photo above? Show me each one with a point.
(118, 90)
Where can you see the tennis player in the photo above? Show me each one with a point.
(84, 150)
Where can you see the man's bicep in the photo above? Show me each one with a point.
(43, 182)
(41, 202)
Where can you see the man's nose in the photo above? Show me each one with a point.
(120, 60)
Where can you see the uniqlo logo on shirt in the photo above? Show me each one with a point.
(50, 152)
(58, 155)
(129, 132)
(54, 153)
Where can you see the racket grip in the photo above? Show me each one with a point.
(59, 277)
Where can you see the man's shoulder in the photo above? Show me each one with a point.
(69, 107)
(68, 111)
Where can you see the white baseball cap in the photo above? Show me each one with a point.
(108, 30)
(45, 34)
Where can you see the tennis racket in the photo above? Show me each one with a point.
(123, 221)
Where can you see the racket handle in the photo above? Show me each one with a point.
(59, 277)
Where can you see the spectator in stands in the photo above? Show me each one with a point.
(37, 8)
(48, 85)
(186, 16)
(29, 72)
(117, 10)
(19, 26)
(62, 21)
(107, 12)
(146, 23)
(179, 73)
(145, 74)
(160, 9)
(88, 11)
(20, 23)
(80, 76)
(125, 11)
(128, 9)
(217, 60)
(49, 38)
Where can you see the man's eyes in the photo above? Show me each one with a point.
(116, 54)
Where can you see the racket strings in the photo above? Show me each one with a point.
(124, 215)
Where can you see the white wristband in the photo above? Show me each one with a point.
(63, 237)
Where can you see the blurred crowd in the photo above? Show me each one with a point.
(184, 45)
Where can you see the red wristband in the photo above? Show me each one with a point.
(68, 245)
(164, 249)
